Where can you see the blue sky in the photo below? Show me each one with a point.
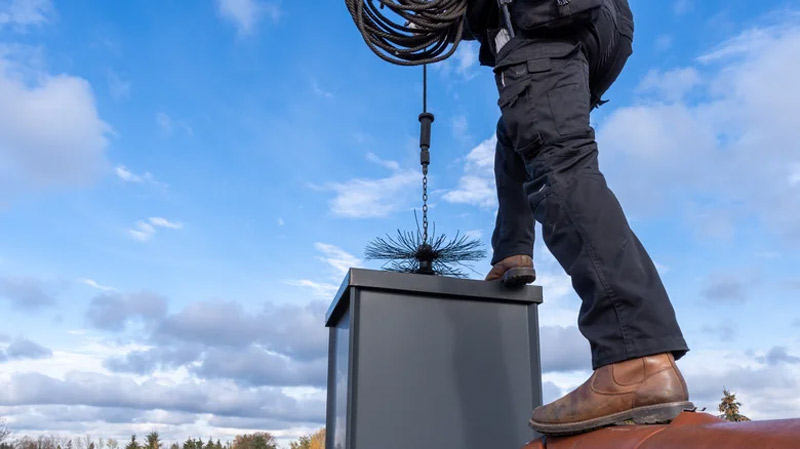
(183, 185)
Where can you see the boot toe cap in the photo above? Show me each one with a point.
(547, 414)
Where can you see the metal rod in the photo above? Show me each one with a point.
(507, 16)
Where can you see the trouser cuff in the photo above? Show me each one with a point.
(643, 348)
(512, 250)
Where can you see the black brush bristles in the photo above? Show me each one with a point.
(408, 253)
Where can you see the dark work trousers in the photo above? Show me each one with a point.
(546, 169)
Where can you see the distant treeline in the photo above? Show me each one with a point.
(258, 440)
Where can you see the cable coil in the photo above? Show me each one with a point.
(431, 32)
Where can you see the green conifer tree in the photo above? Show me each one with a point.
(4, 432)
(153, 441)
(729, 407)
(133, 444)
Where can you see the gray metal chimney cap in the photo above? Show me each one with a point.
(432, 286)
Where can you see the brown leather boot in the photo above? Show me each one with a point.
(513, 270)
(647, 390)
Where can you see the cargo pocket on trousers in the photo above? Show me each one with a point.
(570, 108)
(514, 84)
(516, 114)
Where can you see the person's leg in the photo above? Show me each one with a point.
(512, 239)
(545, 103)
(607, 45)
(625, 314)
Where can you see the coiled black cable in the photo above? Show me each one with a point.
(431, 31)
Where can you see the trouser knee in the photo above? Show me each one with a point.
(502, 134)
(562, 162)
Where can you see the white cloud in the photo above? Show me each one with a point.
(245, 14)
(562, 303)
(563, 348)
(672, 85)
(767, 390)
(391, 165)
(659, 132)
(50, 132)
(255, 366)
(370, 198)
(474, 234)
(662, 269)
(339, 259)
(336, 258)
(550, 392)
(22, 348)
(92, 283)
(466, 58)
(463, 62)
(734, 142)
(144, 230)
(232, 356)
(217, 397)
(726, 287)
(476, 186)
(113, 311)
(26, 293)
(319, 91)
(123, 173)
(169, 125)
(77, 421)
(321, 290)
(24, 13)
(481, 158)
(475, 190)
(164, 223)
(765, 381)
(753, 39)
(164, 122)
(460, 127)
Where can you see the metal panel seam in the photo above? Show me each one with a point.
(355, 306)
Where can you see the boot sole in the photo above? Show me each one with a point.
(519, 276)
(652, 414)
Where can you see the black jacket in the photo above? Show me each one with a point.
(530, 17)
(481, 16)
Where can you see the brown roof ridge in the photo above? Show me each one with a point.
(690, 430)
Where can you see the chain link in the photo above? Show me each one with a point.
(425, 120)
(424, 209)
